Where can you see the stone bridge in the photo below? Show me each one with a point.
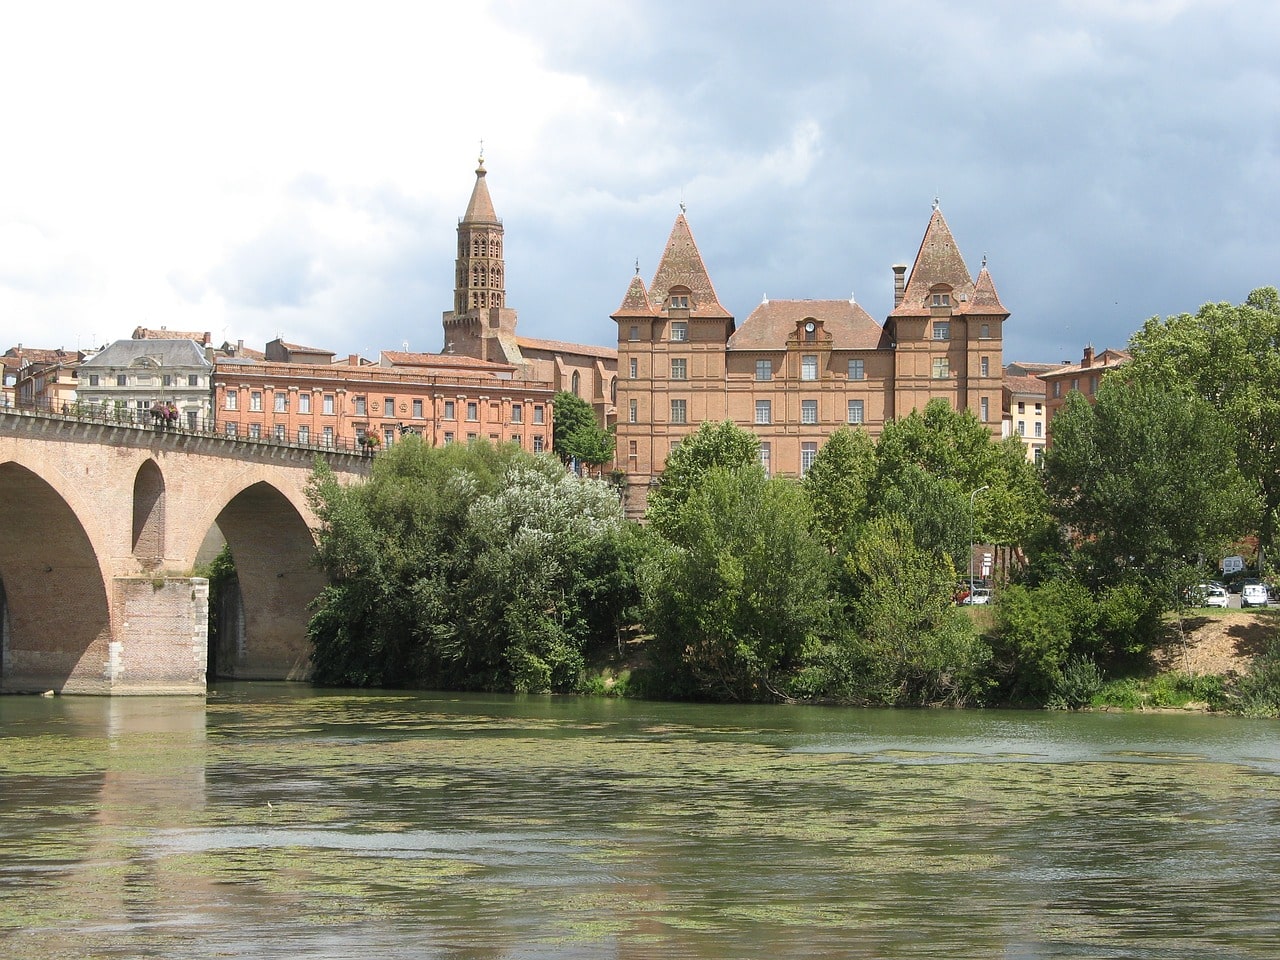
(101, 529)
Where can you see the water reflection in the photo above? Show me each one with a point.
(287, 821)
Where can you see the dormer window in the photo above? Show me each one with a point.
(810, 331)
(942, 300)
(679, 301)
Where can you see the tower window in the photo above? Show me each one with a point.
(680, 301)
(679, 330)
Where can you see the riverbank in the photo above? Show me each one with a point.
(1219, 642)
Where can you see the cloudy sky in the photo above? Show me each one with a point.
(266, 169)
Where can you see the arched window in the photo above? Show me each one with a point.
(576, 384)
(613, 391)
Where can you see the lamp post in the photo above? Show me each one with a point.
(972, 507)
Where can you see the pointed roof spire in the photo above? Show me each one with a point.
(937, 261)
(985, 300)
(480, 209)
(636, 303)
(681, 266)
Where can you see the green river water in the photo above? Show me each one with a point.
(283, 821)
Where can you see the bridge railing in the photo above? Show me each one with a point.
(199, 426)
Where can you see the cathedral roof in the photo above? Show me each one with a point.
(773, 321)
(480, 209)
(681, 266)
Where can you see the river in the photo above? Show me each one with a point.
(283, 821)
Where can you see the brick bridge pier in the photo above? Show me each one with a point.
(100, 529)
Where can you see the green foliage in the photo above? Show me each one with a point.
(1077, 686)
(1258, 692)
(221, 574)
(1033, 637)
(1228, 356)
(735, 588)
(1145, 481)
(476, 567)
(713, 445)
(838, 484)
(576, 433)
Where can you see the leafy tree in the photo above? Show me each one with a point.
(576, 435)
(838, 484)
(712, 445)
(737, 594)
(1230, 356)
(1146, 483)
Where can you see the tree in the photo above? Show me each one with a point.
(737, 595)
(712, 445)
(838, 484)
(1145, 481)
(1230, 356)
(576, 434)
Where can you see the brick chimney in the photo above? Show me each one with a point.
(1087, 362)
(899, 282)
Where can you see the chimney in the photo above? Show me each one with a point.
(899, 282)
(208, 338)
(1087, 362)
(239, 347)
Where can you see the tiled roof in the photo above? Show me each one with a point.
(480, 209)
(1032, 369)
(984, 300)
(38, 354)
(560, 346)
(170, 353)
(143, 333)
(1105, 360)
(773, 321)
(681, 266)
(397, 358)
(636, 303)
(298, 348)
(1032, 386)
(937, 261)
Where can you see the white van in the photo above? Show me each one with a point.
(1254, 595)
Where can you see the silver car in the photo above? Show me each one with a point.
(1254, 595)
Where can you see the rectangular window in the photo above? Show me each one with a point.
(280, 433)
(678, 411)
(941, 330)
(328, 436)
(1093, 383)
(1022, 407)
(233, 429)
(388, 407)
(765, 456)
(808, 411)
(255, 400)
(233, 400)
(1022, 428)
(942, 299)
(193, 380)
(632, 369)
(450, 410)
(517, 413)
(448, 437)
(1057, 388)
(388, 437)
(193, 419)
(985, 332)
(537, 443)
(809, 368)
(417, 409)
(362, 407)
(855, 411)
(167, 380)
(304, 403)
(1039, 428)
(282, 402)
(255, 431)
(808, 453)
(632, 447)
(1037, 408)
(122, 380)
(328, 403)
(984, 409)
(679, 331)
(679, 368)
(633, 333)
(515, 438)
(764, 411)
(473, 410)
(986, 367)
(941, 368)
(857, 370)
(633, 411)
(304, 435)
(764, 369)
(539, 415)
(93, 380)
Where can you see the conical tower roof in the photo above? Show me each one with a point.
(681, 266)
(937, 261)
(480, 209)
(985, 300)
(636, 303)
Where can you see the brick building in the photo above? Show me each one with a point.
(797, 370)
(1083, 377)
(1024, 406)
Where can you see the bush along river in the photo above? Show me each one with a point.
(286, 821)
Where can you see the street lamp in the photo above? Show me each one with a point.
(972, 506)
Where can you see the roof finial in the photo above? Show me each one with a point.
(984, 260)
(637, 266)
(936, 201)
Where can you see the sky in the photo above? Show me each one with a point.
(263, 169)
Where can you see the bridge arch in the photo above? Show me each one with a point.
(57, 611)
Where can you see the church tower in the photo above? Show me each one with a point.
(480, 325)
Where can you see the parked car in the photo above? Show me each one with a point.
(1212, 595)
(1254, 595)
(980, 595)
